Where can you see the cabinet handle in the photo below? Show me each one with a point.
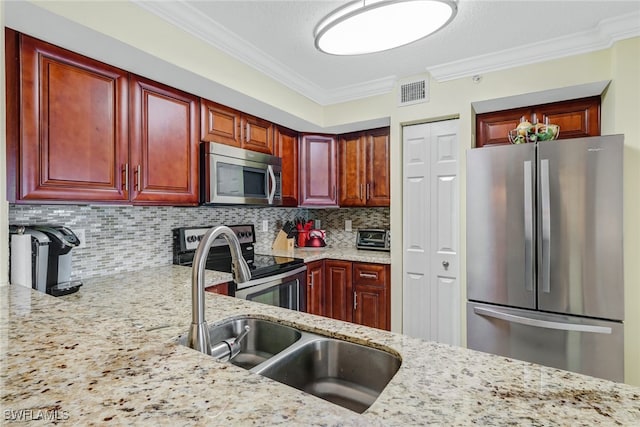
(138, 178)
(125, 170)
(355, 300)
(335, 193)
(311, 281)
(367, 191)
(369, 275)
(361, 185)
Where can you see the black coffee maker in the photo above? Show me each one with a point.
(51, 247)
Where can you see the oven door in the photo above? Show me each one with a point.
(287, 290)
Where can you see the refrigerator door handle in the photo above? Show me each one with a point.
(546, 225)
(541, 323)
(528, 227)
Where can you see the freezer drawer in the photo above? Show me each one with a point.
(587, 346)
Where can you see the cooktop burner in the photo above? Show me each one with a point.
(185, 243)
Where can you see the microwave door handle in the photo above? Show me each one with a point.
(272, 192)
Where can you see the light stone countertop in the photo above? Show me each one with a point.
(346, 254)
(107, 355)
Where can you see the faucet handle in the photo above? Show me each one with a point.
(235, 346)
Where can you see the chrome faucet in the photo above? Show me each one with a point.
(198, 337)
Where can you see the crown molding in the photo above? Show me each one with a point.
(190, 20)
(601, 37)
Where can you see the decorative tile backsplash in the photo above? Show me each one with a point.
(129, 238)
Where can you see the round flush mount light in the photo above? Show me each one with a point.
(367, 26)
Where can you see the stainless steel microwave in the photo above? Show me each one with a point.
(234, 176)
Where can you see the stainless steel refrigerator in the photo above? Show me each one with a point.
(545, 253)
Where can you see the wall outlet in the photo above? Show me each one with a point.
(317, 224)
(265, 225)
(81, 236)
(347, 225)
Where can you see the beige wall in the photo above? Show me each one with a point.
(620, 114)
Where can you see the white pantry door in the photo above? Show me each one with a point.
(431, 290)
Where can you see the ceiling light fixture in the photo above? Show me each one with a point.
(367, 26)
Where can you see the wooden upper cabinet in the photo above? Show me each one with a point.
(318, 171)
(363, 159)
(352, 159)
(286, 147)
(73, 126)
(219, 123)
(576, 118)
(225, 125)
(257, 134)
(163, 166)
(378, 190)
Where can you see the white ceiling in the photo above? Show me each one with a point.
(276, 37)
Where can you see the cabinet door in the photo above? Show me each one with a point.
(315, 284)
(371, 305)
(577, 118)
(257, 134)
(286, 147)
(219, 124)
(493, 128)
(164, 144)
(222, 289)
(378, 189)
(352, 163)
(73, 120)
(338, 290)
(318, 171)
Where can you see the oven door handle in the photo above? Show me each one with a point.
(265, 282)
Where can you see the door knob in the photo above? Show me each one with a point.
(445, 264)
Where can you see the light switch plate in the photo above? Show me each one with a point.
(347, 225)
(265, 225)
(317, 224)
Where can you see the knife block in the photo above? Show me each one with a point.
(282, 243)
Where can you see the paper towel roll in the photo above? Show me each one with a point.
(21, 259)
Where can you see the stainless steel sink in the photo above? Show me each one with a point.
(265, 339)
(344, 373)
(341, 372)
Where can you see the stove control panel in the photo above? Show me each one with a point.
(190, 237)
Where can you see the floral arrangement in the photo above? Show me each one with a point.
(527, 132)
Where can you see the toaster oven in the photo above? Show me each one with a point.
(374, 239)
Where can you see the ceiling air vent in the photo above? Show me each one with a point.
(414, 92)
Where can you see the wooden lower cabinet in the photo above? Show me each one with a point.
(222, 289)
(315, 283)
(338, 290)
(350, 291)
(371, 305)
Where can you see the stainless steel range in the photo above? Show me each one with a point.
(279, 281)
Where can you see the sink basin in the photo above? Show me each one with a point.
(344, 373)
(265, 339)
